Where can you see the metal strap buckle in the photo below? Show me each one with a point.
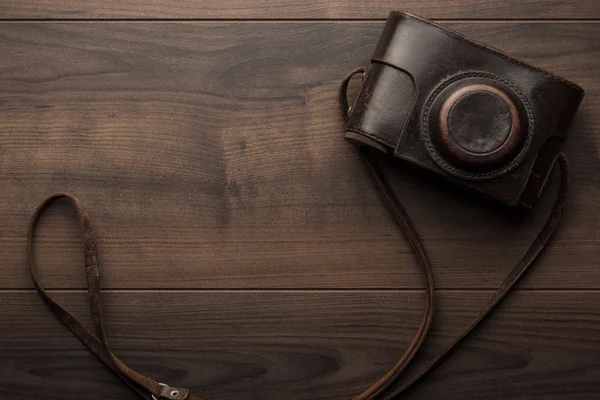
(171, 393)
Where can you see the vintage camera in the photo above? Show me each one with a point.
(481, 119)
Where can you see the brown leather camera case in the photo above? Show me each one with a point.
(481, 119)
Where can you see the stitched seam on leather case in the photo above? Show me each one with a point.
(370, 136)
(457, 171)
(459, 36)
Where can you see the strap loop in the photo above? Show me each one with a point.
(528, 259)
(343, 92)
(145, 387)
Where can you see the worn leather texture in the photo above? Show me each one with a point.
(479, 118)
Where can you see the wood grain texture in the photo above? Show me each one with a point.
(304, 345)
(290, 9)
(210, 155)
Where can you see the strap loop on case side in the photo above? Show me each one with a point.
(343, 92)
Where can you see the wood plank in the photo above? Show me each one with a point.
(210, 156)
(305, 345)
(289, 9)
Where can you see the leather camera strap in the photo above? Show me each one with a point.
(150, 389)
(397, 210)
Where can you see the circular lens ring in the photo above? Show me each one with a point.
(511, 153)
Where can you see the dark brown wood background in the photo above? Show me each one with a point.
(244, 251)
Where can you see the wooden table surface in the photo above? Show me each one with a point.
(244, 251)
